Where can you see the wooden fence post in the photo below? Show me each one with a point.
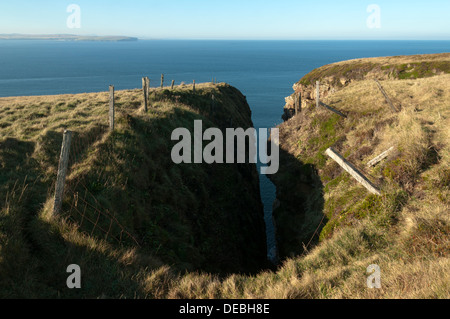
(353, 171)
(193, 87)
(145, 90)
(317, 94)
(162, 81)
(111, 107)
(62, 171)
(173, 83)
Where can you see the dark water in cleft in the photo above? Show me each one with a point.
(263, 70)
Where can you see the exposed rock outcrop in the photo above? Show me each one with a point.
(336, 76)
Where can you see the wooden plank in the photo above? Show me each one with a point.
(353, 171)
(380, 157)
(388, 100)
(162, 81)
(111, 107)
(62, 172)
(333, 110)
(173, 84)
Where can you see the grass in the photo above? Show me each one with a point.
(413, 179)
(186, 216)
(405, 231)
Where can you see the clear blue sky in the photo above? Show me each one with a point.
(232, 19)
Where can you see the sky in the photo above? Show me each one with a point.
(233, 19)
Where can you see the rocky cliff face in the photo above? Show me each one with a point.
(309, 208)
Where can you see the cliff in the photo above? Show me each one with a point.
(330, 229)
(127, 207)
(323, 199)
(336, 76)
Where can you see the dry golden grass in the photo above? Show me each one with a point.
(403, 59)
(410, 242)
(406, 233)
(409, 232)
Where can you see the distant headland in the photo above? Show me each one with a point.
(65, 37)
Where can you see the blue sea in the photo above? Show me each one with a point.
(263, 70)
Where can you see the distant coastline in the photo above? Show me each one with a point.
(65, 37)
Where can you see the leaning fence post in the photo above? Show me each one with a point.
(173, 83)
(162, 81)
(62, 171)
(317, 94)
(111, 107)
(193, 88)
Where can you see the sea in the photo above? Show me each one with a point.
(264, 71)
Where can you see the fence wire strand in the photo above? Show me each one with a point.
(86, 211)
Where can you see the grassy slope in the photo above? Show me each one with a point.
(405, 231)
(184, 217)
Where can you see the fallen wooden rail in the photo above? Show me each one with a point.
(353, 171)
(380, 157)
(333, 110)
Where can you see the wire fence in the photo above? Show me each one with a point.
(81, 206)
(73, 198)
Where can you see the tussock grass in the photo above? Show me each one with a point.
(405, 231)
(184, 217)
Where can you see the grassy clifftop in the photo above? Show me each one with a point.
(343, 228)
(406, 230)
(336, 76)
(128, 209)
(396, 67)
